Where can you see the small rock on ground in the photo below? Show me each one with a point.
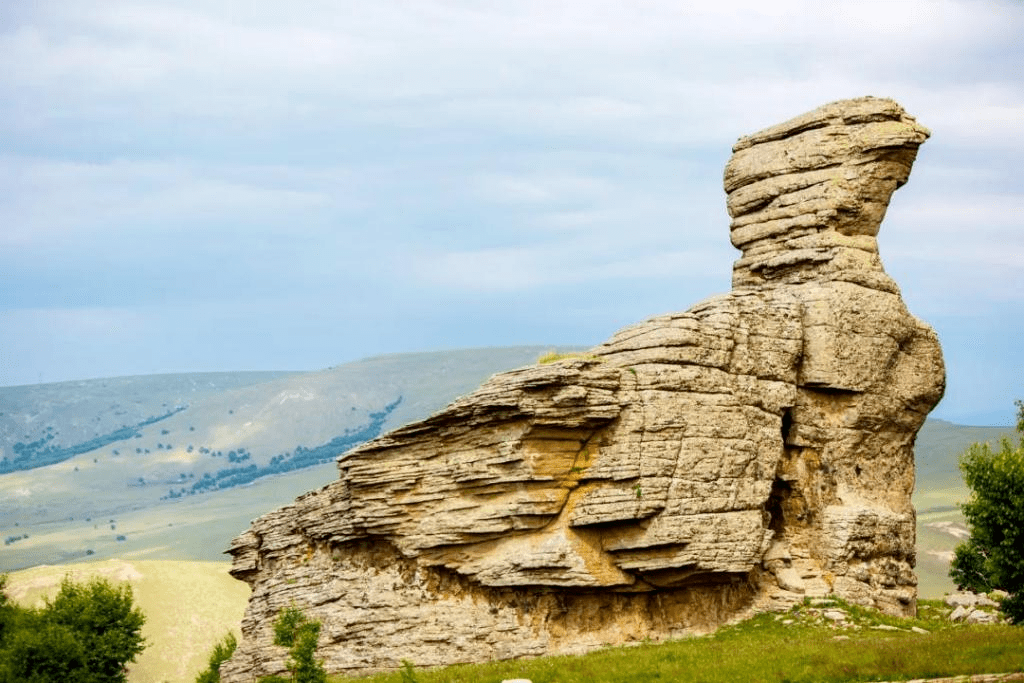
(978, 678)
(981, 617)
(961, 599)
(959, 613)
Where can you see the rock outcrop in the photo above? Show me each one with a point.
(739, 456)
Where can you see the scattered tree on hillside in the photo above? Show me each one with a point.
(993, 555)
(238, 474)
(44, 452)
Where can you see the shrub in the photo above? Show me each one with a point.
(993, 555)
(408, 672)
(221, 653)
(296, 631)
(86, 634)
(40, 651)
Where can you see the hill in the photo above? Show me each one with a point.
(940, 526)
(41, 424)
(236, 445)
(939, 444)
(275, 433)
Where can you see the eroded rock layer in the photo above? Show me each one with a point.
(752, 450)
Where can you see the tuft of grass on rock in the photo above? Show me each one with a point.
(554, 357)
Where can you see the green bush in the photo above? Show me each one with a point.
(408, 672)
(42, 652)
(993, 556)
(294, 630)
(287, 625)
(968, 567)
(304, 666)
(221, 653)
(7, 611)
(86, 634)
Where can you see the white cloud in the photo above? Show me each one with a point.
(595, 62)
(415, 148)
(51, 200)
(542, 188)
(40, 345)
(72, 323)
(975, 217)
(579, 261)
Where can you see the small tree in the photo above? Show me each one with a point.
(3, 602)
(86, 634)
(296, 631)
(993, 556)
(40, 652)
(221, 653)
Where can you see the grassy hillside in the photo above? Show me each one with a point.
(114, 501)
(807, 645)
(45, 423)
(940, 526)
(194, 528)
(939, 444)
(190, 605)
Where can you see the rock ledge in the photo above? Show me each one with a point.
(696, 467)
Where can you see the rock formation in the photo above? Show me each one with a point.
(695, 467)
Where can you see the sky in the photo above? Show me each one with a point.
(203, 185)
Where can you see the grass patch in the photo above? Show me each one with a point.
(803, 645)
(554, 357)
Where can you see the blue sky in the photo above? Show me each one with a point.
(207, 185)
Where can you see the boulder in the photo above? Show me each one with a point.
(694, 468)
(961, 599)
(969, 599)
(978, 616)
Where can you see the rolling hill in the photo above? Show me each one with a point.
(173, 466)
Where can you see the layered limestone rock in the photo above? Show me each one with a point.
(752, 450)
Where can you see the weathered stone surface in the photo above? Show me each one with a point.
(961, 599)
(752, 450)
(978, 616)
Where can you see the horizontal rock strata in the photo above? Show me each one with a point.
(747, 452)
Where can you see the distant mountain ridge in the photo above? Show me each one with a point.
(99, 449)
(939, 445)
(41, 424)
(49, 423)
(194, 462)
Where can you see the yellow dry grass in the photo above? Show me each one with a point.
(189, 606)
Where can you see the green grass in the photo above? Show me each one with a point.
(191, 605)
(810, 649)
(555, 356)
